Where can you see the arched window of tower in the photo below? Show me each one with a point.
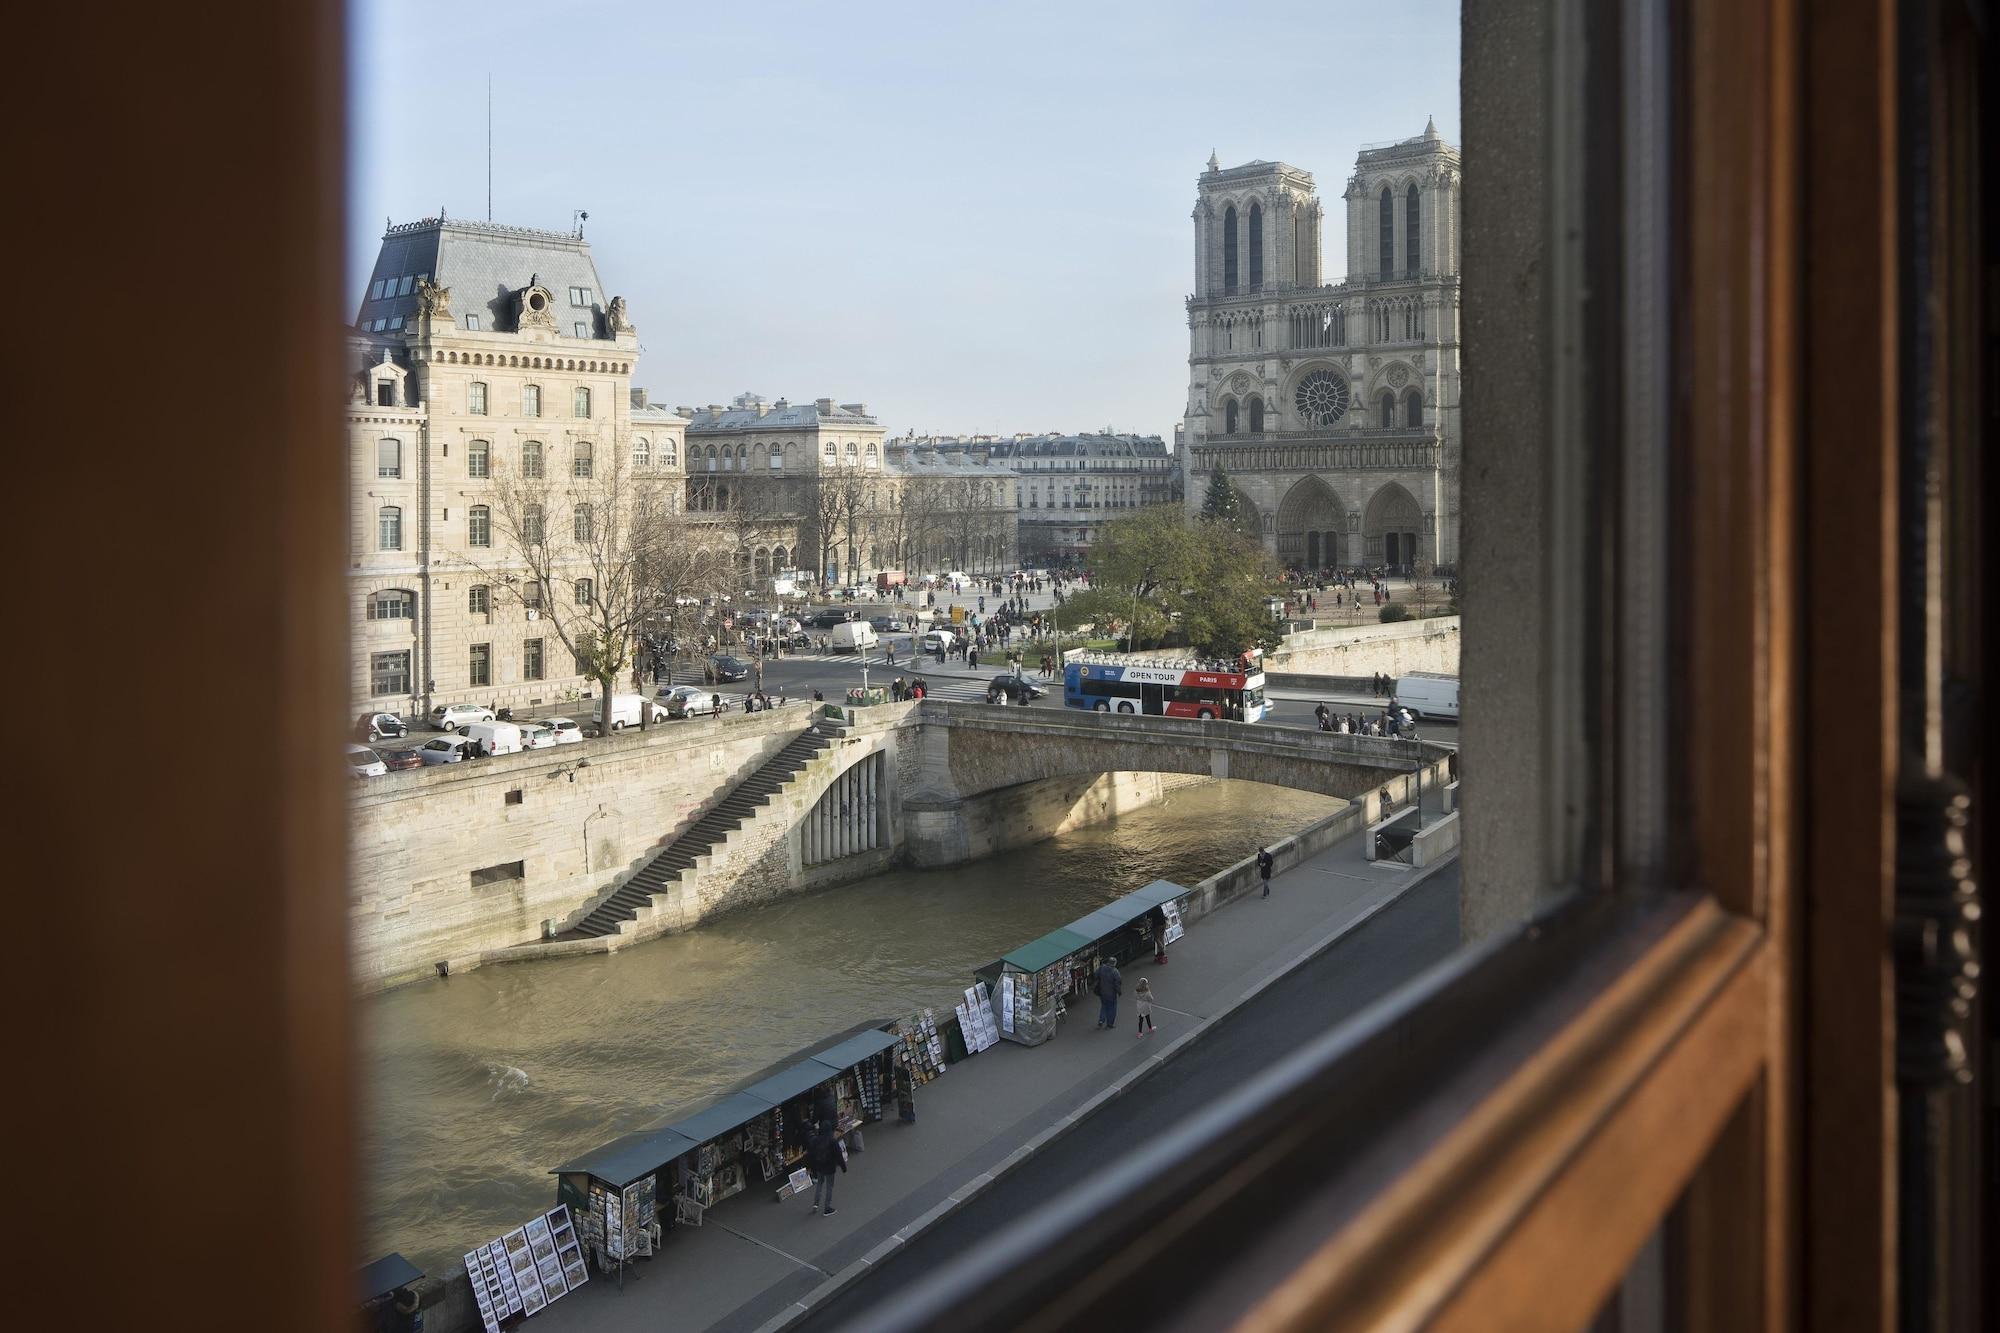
(1413, 248)
(1229, 248)
(1388, 233)
(1388, 409)
(1256, 245)
(1229, 416)
(1413, 408)
(1256, 415)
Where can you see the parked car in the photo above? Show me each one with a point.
(444, 750)
(1012, 689)
(538, 736)
(722, 668)
(364, 762)
(567, 731)
(450, 717)
(380, 727)
(397, 760)
(957, 578)
(684, 701)
(883, 624)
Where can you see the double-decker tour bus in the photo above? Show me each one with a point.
(1165, 687)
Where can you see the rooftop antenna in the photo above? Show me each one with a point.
(489, 145)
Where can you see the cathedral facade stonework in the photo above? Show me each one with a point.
(1332, 408)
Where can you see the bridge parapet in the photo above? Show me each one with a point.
(984, 748)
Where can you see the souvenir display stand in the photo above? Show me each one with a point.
(1033, 985)
(526, 1269)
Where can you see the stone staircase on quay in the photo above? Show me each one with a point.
(664, 869)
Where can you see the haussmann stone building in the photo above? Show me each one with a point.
(1332, 407)
(480, 352)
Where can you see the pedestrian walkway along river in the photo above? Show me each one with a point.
(478, 1084)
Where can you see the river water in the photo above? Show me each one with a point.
(478, 1084)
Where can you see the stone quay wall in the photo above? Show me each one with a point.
(1363, 650)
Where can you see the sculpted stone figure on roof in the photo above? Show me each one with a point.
(620, 321)
(433, 299)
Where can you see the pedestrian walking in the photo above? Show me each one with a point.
(1156, 926)
(1264, 863)
(1110, 984)
(1142, 999)
(825, 1154)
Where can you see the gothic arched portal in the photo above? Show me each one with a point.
(1309, 524)
(1390, 528)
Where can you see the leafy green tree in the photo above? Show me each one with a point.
(1166, 579)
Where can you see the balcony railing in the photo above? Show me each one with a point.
(1401, 448)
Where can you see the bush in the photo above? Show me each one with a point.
(1394, 612)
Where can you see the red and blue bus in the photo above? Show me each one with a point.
(1163, 687)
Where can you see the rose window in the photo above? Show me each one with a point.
(1321, 398)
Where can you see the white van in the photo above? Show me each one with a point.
(938, 641)
(853, 636)
(625, 710)
(1428, 694)
(495, 737)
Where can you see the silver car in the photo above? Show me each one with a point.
(363, 762)
(444, 750)
(450, 717)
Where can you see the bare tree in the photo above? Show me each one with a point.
(921, 506)
(570, 536)
(686, 572)
(1423, 587)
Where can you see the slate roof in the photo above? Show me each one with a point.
(1079, 446)
(485, 264)
(779, 416)
(943, 462)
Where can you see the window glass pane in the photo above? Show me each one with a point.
(531, 400)
(531, 458)
(389, 458)
(476, 460)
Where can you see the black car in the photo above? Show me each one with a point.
(722, 667)
(380, 727)
(830, 617)
(1013, 690)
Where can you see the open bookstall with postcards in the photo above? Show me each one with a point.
(752, 1139)
(1034, 985)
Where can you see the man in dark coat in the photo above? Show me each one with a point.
(1264, 863)
(823, 1157)
(1110, 984)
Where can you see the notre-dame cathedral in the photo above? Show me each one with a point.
(1331, 407)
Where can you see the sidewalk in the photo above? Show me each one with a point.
(755, 1260)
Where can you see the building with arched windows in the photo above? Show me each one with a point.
(482, 355)
(1332, 407)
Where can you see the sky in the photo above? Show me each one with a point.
(973, 217)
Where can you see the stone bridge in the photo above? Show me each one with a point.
(961, 752)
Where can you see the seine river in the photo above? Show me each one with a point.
(478, 1084)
